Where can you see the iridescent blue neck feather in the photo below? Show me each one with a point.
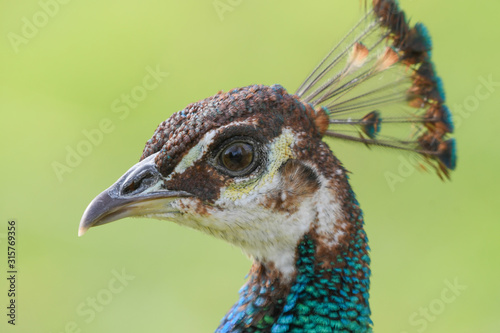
(328, 293)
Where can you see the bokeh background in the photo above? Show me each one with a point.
(60, 78)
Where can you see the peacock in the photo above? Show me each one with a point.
(250, 166)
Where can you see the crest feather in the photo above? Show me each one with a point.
(379, 87)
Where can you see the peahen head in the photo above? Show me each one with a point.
(250, 167)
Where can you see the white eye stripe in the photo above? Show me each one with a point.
(195, 153)
(199, 150)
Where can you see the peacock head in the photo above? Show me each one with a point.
(248, 166)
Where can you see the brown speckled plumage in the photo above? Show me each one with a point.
(272, 107)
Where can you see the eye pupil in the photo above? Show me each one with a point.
(237, 156)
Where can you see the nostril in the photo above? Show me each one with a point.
(139, 183)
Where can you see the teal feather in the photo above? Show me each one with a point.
(320, 299)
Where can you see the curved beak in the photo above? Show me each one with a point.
(141, 191)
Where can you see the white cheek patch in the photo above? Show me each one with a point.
(241, 217)
(262, 234)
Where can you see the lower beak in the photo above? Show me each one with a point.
(104, 209)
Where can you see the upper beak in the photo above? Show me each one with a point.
(140, 191)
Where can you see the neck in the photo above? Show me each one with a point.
(327, 293)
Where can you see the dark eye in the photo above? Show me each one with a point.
(237, 157)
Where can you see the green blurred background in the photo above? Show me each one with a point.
(66, 76)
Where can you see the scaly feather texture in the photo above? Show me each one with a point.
(250, 167)
(329, 292)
